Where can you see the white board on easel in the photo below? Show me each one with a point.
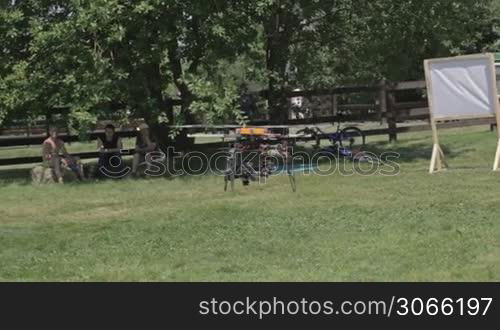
(462, 87)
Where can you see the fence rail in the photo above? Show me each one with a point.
(12, 141)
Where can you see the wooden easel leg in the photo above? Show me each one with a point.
(437, 160)
(434, 158)
(437, 153)
(496, 166)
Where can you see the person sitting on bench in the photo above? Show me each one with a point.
(51, 153)
(109, 147)
(143, 146)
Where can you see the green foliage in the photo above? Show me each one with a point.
(108, 57)
(398, 35)
(214, 104)
(122, 59)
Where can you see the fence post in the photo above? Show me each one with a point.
(386, 103)
(382, 101)
(392, 117)
(335, 104)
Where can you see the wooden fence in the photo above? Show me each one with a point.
(386, 109)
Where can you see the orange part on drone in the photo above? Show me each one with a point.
(253, 131)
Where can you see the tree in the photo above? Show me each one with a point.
(122, 59)
(396, 36)
(117, 57)
(289, 28)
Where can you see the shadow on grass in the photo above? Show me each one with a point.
(19, 176)
(415, 152)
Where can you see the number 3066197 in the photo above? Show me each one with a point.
(446, 307)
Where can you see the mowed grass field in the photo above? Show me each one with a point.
(409, 227)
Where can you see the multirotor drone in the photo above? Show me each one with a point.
(258, 153)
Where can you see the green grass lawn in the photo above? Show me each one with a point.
(409, 227)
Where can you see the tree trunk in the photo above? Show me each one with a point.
(178, 74)
(276, 61)
(159, 132)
